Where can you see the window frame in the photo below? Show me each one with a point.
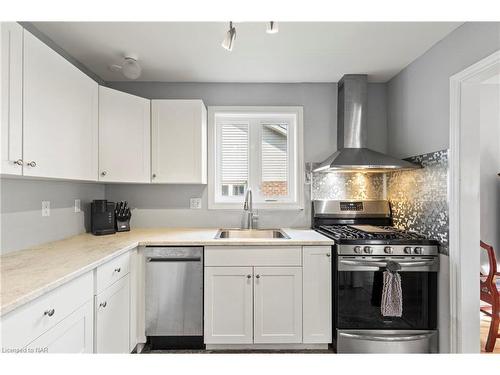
(296, 168)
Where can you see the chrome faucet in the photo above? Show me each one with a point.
(251, 216)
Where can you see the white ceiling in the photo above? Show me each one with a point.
(300, 52)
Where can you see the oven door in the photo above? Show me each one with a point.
(358, 289)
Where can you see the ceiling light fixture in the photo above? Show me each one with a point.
(130, 67)
(272, 28)
(228, 41)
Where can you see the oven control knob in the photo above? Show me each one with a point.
(357, 249)
(418, 250)
(368, 250)
(407, 250)
(388, 250)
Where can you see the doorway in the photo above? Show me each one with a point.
(474, 201)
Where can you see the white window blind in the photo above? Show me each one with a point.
(274, 152)
(234, 153)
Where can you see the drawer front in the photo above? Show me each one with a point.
(23, 325)
(253, 256)
(112, 271)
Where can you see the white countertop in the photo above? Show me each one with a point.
(28, 274)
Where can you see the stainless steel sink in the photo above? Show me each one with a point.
(251, 233)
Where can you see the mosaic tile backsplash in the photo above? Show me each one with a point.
(419, 198)
(347, 186)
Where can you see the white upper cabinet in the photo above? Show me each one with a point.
(124, 137)
(179, 142)
(12, 98)
(317, 285)
(60, 116)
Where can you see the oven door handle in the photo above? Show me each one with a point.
(387, 338)
(430, 265)
(384, 264)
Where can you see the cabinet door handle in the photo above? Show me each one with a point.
(49, 312)
(257, 276)
(103, 173)
(31, 164)
(154, 175)
(118, 269)
(328, 255)
(103, 304)
(249, 276)
(19, 162)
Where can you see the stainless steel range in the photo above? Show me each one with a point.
(366, 243)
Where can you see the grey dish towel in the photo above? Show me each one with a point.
(392, 296)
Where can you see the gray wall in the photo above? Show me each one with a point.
(22, 224)
(418, 97)
(168, 205)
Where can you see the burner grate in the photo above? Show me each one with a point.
(345, 232)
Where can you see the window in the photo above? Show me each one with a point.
(258, 148)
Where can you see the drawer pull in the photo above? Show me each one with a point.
(118, 269)
(257, 276)
(49, 312)
(103, 304)
(249, 276)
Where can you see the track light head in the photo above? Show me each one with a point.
(228, 41)
(272, 27)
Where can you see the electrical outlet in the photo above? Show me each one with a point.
(45, 208)
(195, 203)
(78, 207)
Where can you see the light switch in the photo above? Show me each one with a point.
(45, 208)
(195, 203)
(78, 207)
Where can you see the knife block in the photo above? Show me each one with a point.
(122, 225)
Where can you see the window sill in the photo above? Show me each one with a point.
(257, 206)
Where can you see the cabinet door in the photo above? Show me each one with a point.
(60, 116)
(12, 98)
(179, 141)
(74, 334)
(112, 318)
(124, 137)
(317, 294)
(228, 305)
(277, 305)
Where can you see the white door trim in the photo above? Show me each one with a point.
(464, 207)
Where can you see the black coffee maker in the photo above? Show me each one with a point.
(102, 217)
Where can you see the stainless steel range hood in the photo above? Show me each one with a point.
(352, 154)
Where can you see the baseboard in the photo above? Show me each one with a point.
(266, 347)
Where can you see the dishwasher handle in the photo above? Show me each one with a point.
(165, 259)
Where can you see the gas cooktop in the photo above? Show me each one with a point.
(370, 232)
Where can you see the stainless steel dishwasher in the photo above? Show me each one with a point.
(174, 296)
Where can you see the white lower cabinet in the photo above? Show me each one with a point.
(317, 285)
(74, 334)
(277, 305)
(60, 320)
(228, 305)
(268, 295)
(112, 318)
